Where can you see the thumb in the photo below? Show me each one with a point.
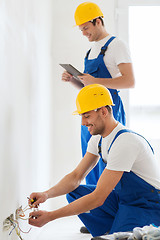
(35, 214)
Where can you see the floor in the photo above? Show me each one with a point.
(66, 228)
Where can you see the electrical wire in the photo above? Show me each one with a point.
(20, 214)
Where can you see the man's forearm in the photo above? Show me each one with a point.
(82, 205)
(64, 186)
(121, 82)
(105, 185)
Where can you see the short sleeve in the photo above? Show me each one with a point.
(123, 153)
(121, 53)
(93, 145)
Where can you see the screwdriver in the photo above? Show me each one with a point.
(33, 200)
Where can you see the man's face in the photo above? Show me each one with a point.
(94, 121)
(90, 31)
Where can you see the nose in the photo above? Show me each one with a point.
(84, 32)
(84, 121)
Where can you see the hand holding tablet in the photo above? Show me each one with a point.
(72, 70)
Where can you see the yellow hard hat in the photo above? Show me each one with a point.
(86, 12)
(92, 97)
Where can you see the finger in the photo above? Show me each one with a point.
(65, 79)
(66, 74)
(34, 218)
(81, 77)
(33, 221)
(34, 214)
(33, 196)
(30, 200)
(34, 201)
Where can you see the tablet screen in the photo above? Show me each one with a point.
(72, 70)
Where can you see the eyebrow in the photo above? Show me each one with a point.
(81, 29)
(83, 114)
(84, 27)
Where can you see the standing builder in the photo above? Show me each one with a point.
(108, 63)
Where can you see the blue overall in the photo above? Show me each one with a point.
(97, 68)
(133, 203)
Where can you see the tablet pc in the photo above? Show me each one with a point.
(72, 70)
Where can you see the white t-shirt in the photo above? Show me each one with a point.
(116, 53)
(129, 152)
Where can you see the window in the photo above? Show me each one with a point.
(144, 39)
(139, 23)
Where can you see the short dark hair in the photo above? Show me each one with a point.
(94, 21)
(109, 108)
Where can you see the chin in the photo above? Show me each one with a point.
(93, 133)
(90, 39)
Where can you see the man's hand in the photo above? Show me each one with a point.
(39, 197)
(39, 218)
(66, 77)
(87, 79)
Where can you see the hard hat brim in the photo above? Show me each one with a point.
(75, 113)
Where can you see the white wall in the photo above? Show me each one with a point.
(69, 46)
(25, 62)
(39, 137)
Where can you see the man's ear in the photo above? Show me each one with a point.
(104, 111)
(98, 21)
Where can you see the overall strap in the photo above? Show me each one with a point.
(130, 131)
(103, 49)
(87, 53)
(117, 134)
(99, 148)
